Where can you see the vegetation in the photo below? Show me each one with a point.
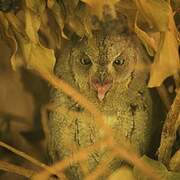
(32, 33)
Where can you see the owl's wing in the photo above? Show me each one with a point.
(62, 140)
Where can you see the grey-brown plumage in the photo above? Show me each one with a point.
(107, 69)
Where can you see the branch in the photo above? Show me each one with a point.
(31, 159)
(174, 164)
(170, 128)
(5, 166)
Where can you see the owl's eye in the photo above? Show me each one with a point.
(85, 61)
(119, 61)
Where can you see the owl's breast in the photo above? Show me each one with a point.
(132, 127)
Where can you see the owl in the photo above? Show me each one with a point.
(108, 69)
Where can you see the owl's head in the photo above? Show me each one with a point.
(103, 63)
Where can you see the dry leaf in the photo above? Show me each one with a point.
(50, 32)
(59, 14)
(32, 25)
(166, 61)
(41, 58)
(34, 54)
(147, 40)
(16, 62)
(37, 56)
(156, 13)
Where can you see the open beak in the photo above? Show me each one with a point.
(101, 88)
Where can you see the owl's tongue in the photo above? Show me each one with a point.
(101, 90)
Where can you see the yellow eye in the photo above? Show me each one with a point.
(85, 61)
(119, 61)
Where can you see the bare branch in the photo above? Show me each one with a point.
(170, 127)
(30, 159)
(5, 166)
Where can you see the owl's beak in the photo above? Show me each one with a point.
(101, 88)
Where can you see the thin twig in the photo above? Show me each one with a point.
(31, 159)
(101, 168)
(79, 156)
(5, 166)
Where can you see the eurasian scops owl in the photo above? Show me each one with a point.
(107, 69)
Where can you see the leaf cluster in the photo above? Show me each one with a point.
(38, 28)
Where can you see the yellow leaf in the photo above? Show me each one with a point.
(32, 26)
(156, 13)
(33, 12)
(29, 49)
(166, 61)
(97, 7)
(36, 56)
(18, 25)
(41, 58)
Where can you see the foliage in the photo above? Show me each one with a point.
(35, 30)
(22, 29)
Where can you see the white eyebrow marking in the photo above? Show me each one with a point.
(120, 54)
